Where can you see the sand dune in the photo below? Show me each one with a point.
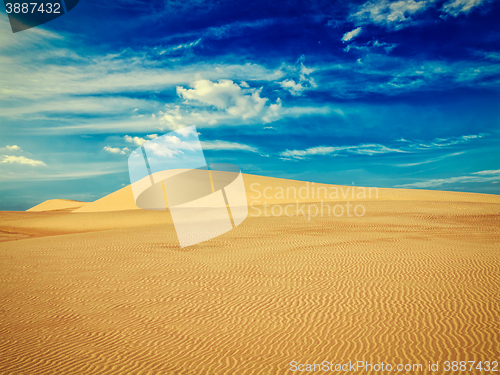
(413, 280)
(57, 205)
(258, 188)
(119, 200)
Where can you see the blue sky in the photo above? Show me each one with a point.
(371, 93)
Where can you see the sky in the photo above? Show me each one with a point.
(402, 94)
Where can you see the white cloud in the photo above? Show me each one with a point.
(294, 88)
(162, 150)
(22, 160)
(136, 140)
(185, 132)
(183, 46)
(298, 77)
(445, 142)
(365, 149)
(428, 160)
(224, 145)
(116, 150)
(372, 149)
(391, 14)
(274, 113)
(455, 7)
(481, 176)
(351, 34)
(235, 28)
(172, 118)
(219, 102)
(13, 148)
(177, 117)
(387, 46)
(227, 96)
(489, 172)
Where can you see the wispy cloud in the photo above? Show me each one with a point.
(393, 75)
(69, 171)
(13, 148)
(374, 149)
(224, 145)
(428, 160)
(299, 77)
(395, 15)
(55, 68)
(390, 14)
(371, 45)
(364, 149)
(22, 160)
(105, 106)
(481, 176)
(444, 142)
(456, 7)
(216, 145)
(177, 48)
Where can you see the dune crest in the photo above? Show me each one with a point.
(119, 200)
(57, 205)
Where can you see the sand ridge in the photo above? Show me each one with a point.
(57, 205)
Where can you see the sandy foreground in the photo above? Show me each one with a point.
(104, 287)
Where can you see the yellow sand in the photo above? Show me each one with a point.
(415, 279)
(58, 205)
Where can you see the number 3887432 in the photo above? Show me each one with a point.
(33, 7)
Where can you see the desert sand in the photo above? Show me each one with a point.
(103, 287)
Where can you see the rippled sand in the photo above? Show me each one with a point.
(414, 280)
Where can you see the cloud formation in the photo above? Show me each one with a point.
(116, 150)
(227, 96)
(364, 149)
(22, 160)
(455, 7)
(390, 14)
(298, 78)
(138, 141)
(398, 14)
(481, 176)
(351, 34)
(373, 149)
(294, 88)
(224, 145)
